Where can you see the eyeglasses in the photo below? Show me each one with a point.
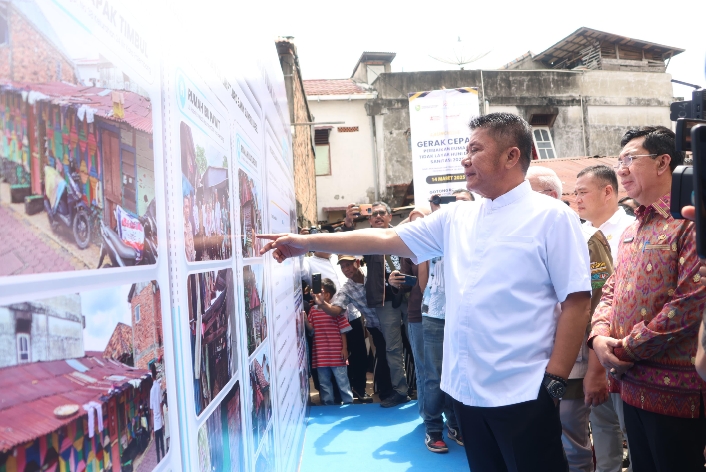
(627, 160)
(378, 213)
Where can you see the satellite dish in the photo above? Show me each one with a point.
(461, 54)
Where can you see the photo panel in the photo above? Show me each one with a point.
(98, 398)
(260, 385)
(266, 459)
(255, 306)
(206, 196)
(251, 214)
(78, 163)
(220, 438)
(213, 333)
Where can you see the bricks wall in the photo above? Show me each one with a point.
(147, 333)
(30, 57)
(302, 148)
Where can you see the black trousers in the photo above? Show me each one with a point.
(524, 437)
(159, 442)
(661, 443)
(383, 384)
(358, 360)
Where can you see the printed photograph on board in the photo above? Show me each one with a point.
(266, 459)
(213, 333)
(260, 378)
(77, 160)
(98, 398)
(206, 195)
(220, 438)
(250, 215)
(254, 304)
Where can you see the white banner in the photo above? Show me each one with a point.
(439, 125)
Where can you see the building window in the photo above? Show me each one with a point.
(543, 142)
(23, 353)
(137, 313)
(323, 151)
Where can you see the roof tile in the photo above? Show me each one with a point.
(332, 87)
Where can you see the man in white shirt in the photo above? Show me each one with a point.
(597, 201)
(157, 419)
(518, 292)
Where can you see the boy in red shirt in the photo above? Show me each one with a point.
(330, 351)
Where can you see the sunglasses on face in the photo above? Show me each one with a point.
(378, 213)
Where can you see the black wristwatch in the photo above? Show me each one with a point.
(555, 385)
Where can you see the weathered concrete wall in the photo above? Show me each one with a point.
(352, 167)
(593, 108)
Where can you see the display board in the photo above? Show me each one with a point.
(439, 127)
(140, 329)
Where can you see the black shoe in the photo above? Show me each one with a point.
(435, 443)
(394, 400)
(364, 398)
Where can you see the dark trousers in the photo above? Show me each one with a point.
(524, 437)
(159, 442)
(661, 443)
(383, 384)
(358, 360)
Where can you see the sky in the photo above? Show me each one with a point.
(103, 310)
(331, 36)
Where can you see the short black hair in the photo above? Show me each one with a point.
(328, 286)
(603, 173)
(658, 140)
(509, 127)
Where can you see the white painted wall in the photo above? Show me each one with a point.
(352, 169)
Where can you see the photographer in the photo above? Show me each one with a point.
(644, 329)
(385, 300)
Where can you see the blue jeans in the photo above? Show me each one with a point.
(326, 391)
(436, 401)
(416, 340)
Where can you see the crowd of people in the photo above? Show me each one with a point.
(207, 226)
(543, 337)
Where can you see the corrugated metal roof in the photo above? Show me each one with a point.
(31, 392)
(138, 109)
(568, 168)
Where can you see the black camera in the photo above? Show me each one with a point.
(689, 115)
(439, 200)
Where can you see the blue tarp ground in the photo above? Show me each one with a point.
(369, 438)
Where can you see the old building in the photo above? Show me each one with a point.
(148, 342)
(45, 330)
(30, 50)
(579, 95)
(302, 137)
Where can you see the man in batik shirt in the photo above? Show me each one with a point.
(644, 330)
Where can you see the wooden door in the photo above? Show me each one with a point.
(112, 188)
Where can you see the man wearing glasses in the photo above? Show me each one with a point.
(644, 330)
(383, 298)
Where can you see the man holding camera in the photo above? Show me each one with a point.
(644, 330)
(385, 300)
(517, 298)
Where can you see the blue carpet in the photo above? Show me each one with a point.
(359, 438)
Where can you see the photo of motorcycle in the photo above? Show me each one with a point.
(63, 202)
(133, 242)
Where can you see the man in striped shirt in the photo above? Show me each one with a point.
(330, 353)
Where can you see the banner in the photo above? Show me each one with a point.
(140, 328)
(439, 126)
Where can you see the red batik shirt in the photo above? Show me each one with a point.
(653, 302)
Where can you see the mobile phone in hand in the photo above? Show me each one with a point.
(316, 283)
(409, 280)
